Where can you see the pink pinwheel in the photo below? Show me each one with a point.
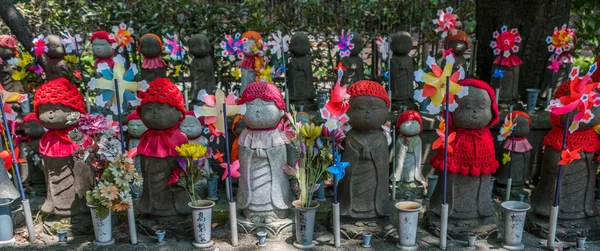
(40, 46)
(213, 110)
(174, 47)
(581, 97)
(232, 47)
(555, 65)
(72, 43)
(383, 46)
(234, 169)
(506, 41)
(446, 22)
(344, 43)
(122, 37)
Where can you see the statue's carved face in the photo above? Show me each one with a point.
(56, 49)
(367, 113)
(101, 48)
(410, 128)
(459, 47)
(522, 128)
(474, 110)
(57, 116)
(191, 127)
(199, 46)
(261, 114)
(401, 43)
(136, 128)
(150, 47)
(300, 44)
(159, 116)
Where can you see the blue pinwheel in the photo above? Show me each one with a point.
(232, 47)
(338, 168)
(498, 73)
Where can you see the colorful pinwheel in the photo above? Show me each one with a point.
(344, 43)
(71, 43)
(234, 169)
(213, 110)
(279, 44)
(10, 97)
(554, 65)
(560, 41)
(383, 46)
(507, 128)
(435, 85)
(174, 47)
(581, 97)
(446, 22)
(232, 47)
(124, 80)
(440, 142)
(122, 37)
(334, 111)
(567, 157)
(505, 158)
(506, 41)
(40, 46)
(339, 168)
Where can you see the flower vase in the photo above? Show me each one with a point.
(102, 228)
(305, 223)
(6, 223)
(202, 221)
(213, 183)
(514, 221)
(320, 193)
(408, 217)
(532, 97)
(431, 183)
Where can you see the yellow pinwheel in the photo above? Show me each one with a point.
(435, 84)
(213, 110)
(505, 158)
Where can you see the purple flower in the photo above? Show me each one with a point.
(182, 163)
(319, 143)
(315, 151)
(92, 124)
(303, 146)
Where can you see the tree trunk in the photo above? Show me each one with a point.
(535, 20)
(17, 24)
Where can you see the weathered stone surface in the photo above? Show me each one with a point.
(402, 72)
(559, 77)
(151, 48)
(54, 60)
(355, 69)
(31, 170)
(521, 172)
(202, 69)
(193, 129)
(135, 129)
(300, 76)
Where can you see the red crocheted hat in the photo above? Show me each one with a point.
(485, 86)
(407, 116)
(133, 116)
(101, 35)
(369, 88)
(262, 90)
(520, 113)
(59, 91)
(8, 41)
(31, 117)
(162, 90)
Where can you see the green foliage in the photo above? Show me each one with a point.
(584, 63)
(584, 17)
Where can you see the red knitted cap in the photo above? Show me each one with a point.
(162, 90)
(59, 91)
(369, 88)
(31, 117)
(407, 116)
(101, 35)
(262, 90)
(133, 116)
(520, 113)
(8, 41)
(485, 86)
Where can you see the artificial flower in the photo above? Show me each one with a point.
(560, 41)
(505, 158)
(435, 85)
(77, 74)
(581, 97)
(236, 73)
(383, 46)
(177, 71)
(109, 148)
(13, 62)
(19, 75)
(25, 60)
(279, 44)
(191, 150)
(339, 136)
(292, 171)
(213, 109)
(339, 167)
(233, 169)
(218, 156)
(71, 59)
(232, 47)
(446, 22)
(507, 128)
(440, 142)
(446, 52)
(310, 132)
(122, 37)
(8, 158)
(92, 124)
(175, 176)
(38, 70)
(110, 192)
(265, 75)
(554, 65)
(40, 46)
(506, 41)
(339, 68)
(174, 47)
(121, 206)
(567, 157)
(344, 43)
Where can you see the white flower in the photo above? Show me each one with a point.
(109, 148)
(13, 61)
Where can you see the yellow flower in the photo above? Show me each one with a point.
(310, 132)
(25, 60)
(121, 206)
(109, 192)
(177, 71)
(192, 150)
(19, 75)
(71, 59)
(236, 73)
(265, 74)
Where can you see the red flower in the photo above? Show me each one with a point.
(175, 176)
(339, 66)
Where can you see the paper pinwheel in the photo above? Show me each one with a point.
(213, 110)
(339, 167)
(40, 45)
(279, 44)
(122, 37)
(124, 80)
(554, 65)
(334, 111)
(581, 97)
(383, 46)
(218, 156)
(344, 43)
(505, 158)
(10, 97)
(498, 73)
(506, 41)
(435, 85)
(446, 22)
(560, 41)
(507, 128)
(8, 159)
(174, 47)
(232, 47)
(71, 43)
(234, 169)
(440, 142)
(567, 157)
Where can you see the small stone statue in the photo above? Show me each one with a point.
(54, 61)
(153, 66)
(471, 162)
(8, 47)
(577, 194)
(193, 129)
(506, 68)
(364, 191)
(300, 75)
(519, 156)
(408, 151)
(102, 48)
(355, 71)
(31, 170)
(252, 62)
(162, 111)
(58, 105)
(402, 72)
(135, 129)
(202, 69)
(264, 194)
(457, 44)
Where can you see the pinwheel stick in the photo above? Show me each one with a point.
(119, 115)
(285, 83)
(24, 200)
(499, 79)
(444, 218)
(335, 205)
(394, 163)
(232, 204)
(554, 211)
(512, 149)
